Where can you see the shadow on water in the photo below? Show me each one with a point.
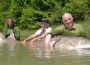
(14, 53)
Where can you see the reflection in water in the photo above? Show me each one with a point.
(43, 53)
(52, 52)
(84, 52)
(38, 52)
(11, 42)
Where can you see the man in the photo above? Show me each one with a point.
(43, 32)
(69, 28)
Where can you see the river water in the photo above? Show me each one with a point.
(17, 54)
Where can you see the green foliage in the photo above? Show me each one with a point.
(27, 19)
(86, 26)
(28, 13)
(78, 8)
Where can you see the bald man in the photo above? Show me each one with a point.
(69, 28)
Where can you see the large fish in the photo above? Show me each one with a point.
(71, 42)
(66, 42)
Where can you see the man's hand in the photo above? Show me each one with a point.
(24, 42)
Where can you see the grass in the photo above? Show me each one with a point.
(86, 26)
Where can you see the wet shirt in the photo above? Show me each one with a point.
(15, 31)
(77, 30)
(40, 32)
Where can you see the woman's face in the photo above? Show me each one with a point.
(9, 22)
(43, 25)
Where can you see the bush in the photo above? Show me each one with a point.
(26, 13)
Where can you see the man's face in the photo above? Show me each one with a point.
(43, 25)
(68, 20)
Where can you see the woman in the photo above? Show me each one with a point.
(12, 30)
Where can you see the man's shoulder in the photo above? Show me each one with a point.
(76, 24)
(61, 27)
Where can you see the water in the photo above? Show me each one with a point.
(16, 54)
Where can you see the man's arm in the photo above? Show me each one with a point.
(42, 36)
(29, 38)
(32, 36)
(57, 31)
(49, 30)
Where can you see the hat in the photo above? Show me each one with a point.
(44, 20)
